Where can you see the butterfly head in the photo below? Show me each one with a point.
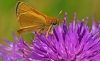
(56, 21)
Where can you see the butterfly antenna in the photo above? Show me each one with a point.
(59, 13)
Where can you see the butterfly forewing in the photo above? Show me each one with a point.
(28, 18)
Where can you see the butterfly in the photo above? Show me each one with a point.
(32, 20)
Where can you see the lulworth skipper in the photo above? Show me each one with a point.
(32, 20)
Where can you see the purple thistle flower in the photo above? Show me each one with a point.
(69, 42)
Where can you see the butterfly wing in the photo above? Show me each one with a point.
(29, 19)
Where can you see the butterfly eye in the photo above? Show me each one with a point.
(54, 22)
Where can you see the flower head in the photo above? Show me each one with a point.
(75, 41)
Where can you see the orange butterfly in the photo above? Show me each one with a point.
(31, 20)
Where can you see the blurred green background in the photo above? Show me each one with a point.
(8, 20)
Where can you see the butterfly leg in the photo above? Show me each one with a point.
(48, 31)
(40, 31)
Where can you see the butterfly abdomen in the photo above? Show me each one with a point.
(20, 31)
